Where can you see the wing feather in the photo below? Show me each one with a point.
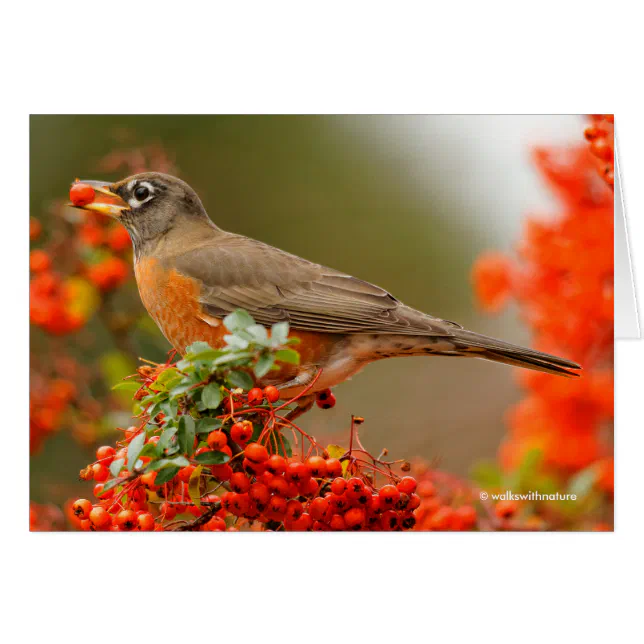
(273, 286)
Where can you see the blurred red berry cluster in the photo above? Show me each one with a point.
(76, 266)
(561, 278)
(601, 135)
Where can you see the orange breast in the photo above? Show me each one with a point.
(172, 300)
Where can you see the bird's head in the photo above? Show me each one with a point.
(149, 204)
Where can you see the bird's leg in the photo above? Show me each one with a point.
(303, 402)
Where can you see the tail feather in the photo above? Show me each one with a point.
(497, 351)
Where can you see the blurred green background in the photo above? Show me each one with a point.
(405, 202)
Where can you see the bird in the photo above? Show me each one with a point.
(191, 274)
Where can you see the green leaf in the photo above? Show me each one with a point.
(279, 333)
(166, 474)
(258, 333)
(186, 434)
(241, 379)
(197, 347)
(211, 396)
(150, 449)
(193, 486)
(238, 320)
(236, 342)
(264, 365)
(166, 436)
(134, 449)
(212, 458)
(127, 385)
(288, 355)
(179, 461)
(206, 425)
(117, 466)
(180, 389)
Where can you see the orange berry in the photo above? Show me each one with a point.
(100, 518)
(81, 194)
(145, 522)
(39, 261)
(217, 439)
(506, 509)
(256, 453)
(272, 393)
(126, 520)
(35, 228)
(105, 454)
(242, 431)
(82, 508)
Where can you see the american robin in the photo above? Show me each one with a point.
(191, 274)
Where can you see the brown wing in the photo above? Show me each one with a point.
(272, 285)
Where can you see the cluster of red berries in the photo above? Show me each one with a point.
(266, 491)
(601, 135)
(237, 478)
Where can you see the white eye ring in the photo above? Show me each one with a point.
(133, 201)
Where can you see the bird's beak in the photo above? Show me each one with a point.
(106, 201)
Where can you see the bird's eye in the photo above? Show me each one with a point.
(141, 193)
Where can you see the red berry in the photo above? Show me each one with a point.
(100, 518)
(317, 465)
(101, 473)
(333, 467)
(389, 496)
(277, 506)
(272, 393)
(256, 453)
(81, 194)
(337, 522)
(355, 518)
(145, 522)
(217, 440)
(325, 402)
(407, 485)
(294, 510)
(184, 473)
(308, 487)
(355, 488)
(297, 472)
(126, 520)
(260, 494)
(216, 524)
(302, 524)
(390, 520)
(222, 472)
(105, 454)
(242, 432)
(168, 511)
(278, 486)
(276, 464)
(255, 396)
(318, 508)
(82, 508)
(240, 483)
(505, 509)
